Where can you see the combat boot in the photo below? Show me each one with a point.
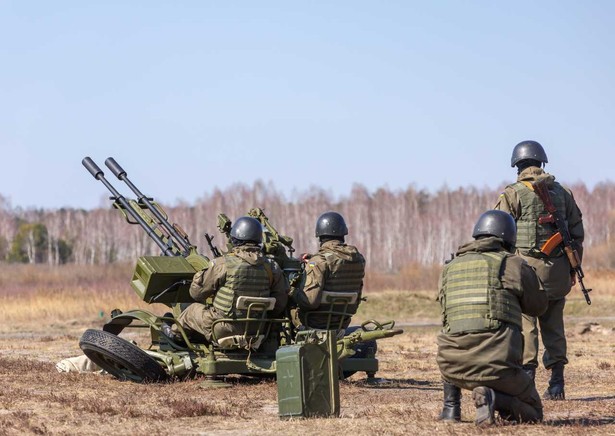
(484, 401)
(555, 391)
(167, 330)
(512, 409)
(451, 409)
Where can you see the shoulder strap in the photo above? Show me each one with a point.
(528, 185)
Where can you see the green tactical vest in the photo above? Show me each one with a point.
(242, 279)
(472, 296)
(531, 235)
(344, 276)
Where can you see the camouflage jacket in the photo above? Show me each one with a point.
(495, 354)
(336, 267)
(207, 282)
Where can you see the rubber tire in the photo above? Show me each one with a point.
(361, 349)
(120, 358)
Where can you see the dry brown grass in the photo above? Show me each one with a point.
(66, 293)
(35, 399)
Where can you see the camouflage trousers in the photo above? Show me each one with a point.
(203, 319)
(516, 396)
(200, 318)
(552, 333)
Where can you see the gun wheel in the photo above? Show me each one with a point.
(120, 358)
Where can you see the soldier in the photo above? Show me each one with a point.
(554, 270)
(484, 290)
(243, 271)
(336, 268)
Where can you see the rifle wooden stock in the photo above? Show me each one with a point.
(573, 257)
(540, 188)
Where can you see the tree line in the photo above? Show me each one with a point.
(393, 228)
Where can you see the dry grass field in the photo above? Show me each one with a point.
(44, 312)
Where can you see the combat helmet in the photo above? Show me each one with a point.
(528, 150)
(247, 229)
(331, 224)
(496, 223)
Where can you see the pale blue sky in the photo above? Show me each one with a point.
(194, 94)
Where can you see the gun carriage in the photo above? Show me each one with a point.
(166, 279)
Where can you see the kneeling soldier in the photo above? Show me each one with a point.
(483, 292)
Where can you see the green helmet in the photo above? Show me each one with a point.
(496, 223)
(528, 150)
(331, 224)
(247, 228)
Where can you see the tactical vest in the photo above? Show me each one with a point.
(531, 235)
(472, 296)
(343, 276)
(242, 279)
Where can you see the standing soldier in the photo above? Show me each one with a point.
(242, 272)
(554, 270)
(337, 269)
(484, 290)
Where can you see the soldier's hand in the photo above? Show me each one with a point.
(305, 257)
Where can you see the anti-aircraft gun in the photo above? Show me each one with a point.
(166, 279)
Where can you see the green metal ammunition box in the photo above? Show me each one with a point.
(163, 279)
(308, 379)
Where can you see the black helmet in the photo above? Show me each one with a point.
(496, 223)
(247, 229)
(331, 224)
(528, 150)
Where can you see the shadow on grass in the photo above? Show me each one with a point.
(588, 399)
(396, 383)
(583, 422)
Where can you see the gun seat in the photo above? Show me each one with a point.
(255, 309)
(338, 303)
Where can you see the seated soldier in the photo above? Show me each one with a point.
(333, 275)
(244, 271)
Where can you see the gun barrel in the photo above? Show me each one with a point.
(121, 174)
(369, 335)
(118, 198)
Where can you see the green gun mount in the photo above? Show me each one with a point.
(157, 279)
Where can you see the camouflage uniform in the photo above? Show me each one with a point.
(244, 271)
(337, 267)
(483, 292)
(554, 271)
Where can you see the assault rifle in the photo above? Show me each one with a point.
(561, 237)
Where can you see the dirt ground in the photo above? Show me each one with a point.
(36, 399)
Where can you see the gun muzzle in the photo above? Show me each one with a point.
(115, 168)
(94, 170)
